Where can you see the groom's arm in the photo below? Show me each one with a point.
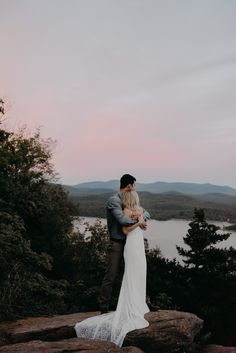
(114, 206)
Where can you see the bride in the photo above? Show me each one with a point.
(131, 307)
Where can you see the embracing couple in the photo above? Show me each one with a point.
(126, 220)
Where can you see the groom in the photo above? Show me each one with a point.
(115, 221)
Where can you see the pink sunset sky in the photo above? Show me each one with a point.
(139, 86)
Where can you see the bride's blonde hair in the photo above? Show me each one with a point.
(130, 199)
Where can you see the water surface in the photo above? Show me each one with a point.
(167, 234)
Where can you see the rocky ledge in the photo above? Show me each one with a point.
(74, 345)
(169, 332)
(217, 349)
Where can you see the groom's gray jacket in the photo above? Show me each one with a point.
(116, 218)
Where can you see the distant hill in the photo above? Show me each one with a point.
(163, 200)
(111, 184)
(86, 191)
(217, 198)
(99, 187)
(166, 205)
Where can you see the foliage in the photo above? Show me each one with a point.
(2, 110)
(36, 220)
(164, 287)
(90, 262)
(200, 238)
(210, 277)
(24, 287)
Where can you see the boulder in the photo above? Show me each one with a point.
(70, 345)
(169, 332)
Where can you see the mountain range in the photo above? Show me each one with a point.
(100, 187)
(163, 200)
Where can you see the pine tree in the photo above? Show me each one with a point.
(210, 278)
(201, 238)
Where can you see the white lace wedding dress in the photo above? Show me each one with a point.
(131, 307)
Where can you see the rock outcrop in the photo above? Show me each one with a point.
(169, 332)
(217, 349)
(74, 345)
(52, 328)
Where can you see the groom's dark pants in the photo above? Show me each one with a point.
(114, 256)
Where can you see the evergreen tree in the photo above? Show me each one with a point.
(210, 278)
(201, 238)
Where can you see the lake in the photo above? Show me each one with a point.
(166, 234)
